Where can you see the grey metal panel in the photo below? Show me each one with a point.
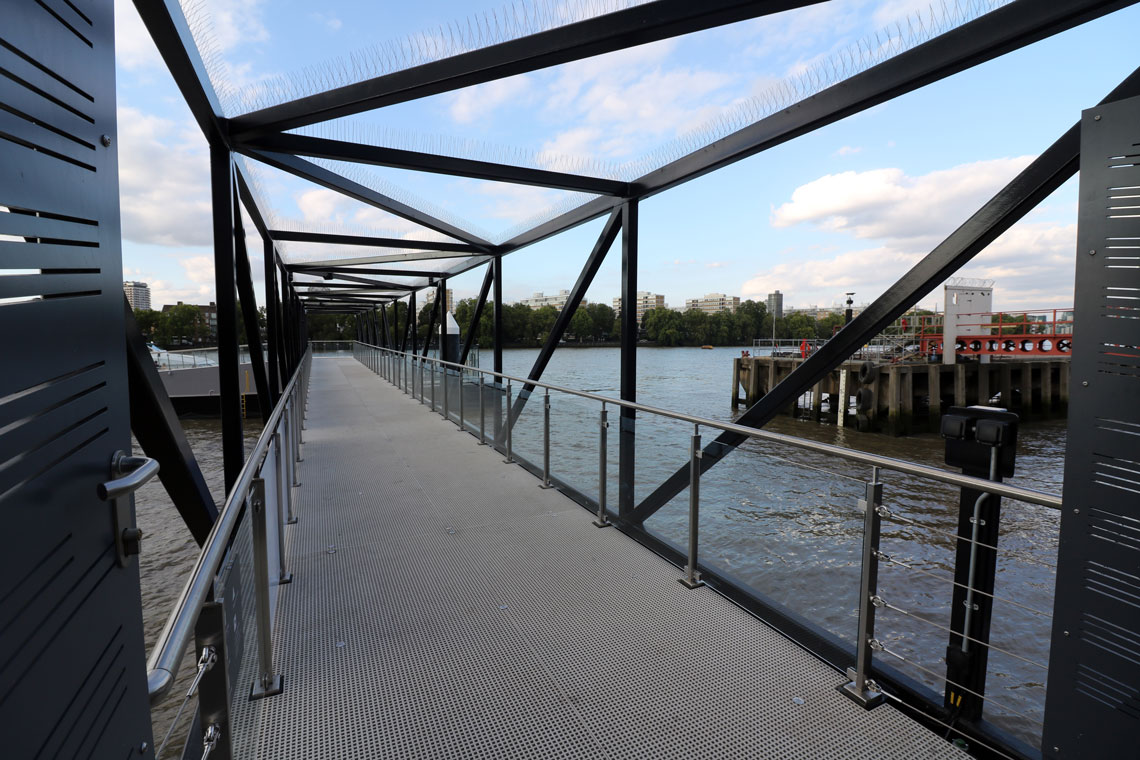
(444, 606)
(72, 678)
(1093, 703)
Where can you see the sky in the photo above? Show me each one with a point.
(849, 207)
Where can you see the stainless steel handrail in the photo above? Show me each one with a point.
(1018, 493)
(166, 656)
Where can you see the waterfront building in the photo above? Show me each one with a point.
(712, 303)
(538, 300)
(209, 313)
(645, 301)
(775, 303)
(430, 298)
(138, 294)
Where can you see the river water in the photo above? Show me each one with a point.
(784, 522)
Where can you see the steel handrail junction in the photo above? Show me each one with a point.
(1018, 493)
(167, 654)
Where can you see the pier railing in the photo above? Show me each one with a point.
(917, 627)
(231, 592)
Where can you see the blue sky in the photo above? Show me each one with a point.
(847, 208)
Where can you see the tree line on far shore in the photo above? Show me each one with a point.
(597, 323)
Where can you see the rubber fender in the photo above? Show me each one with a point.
(862, 423)
(867, 373)
(864, 400)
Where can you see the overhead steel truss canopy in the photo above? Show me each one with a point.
(366, 284)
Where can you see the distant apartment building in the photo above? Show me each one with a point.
(138, 294)
(712, 303)
(430, 298)
(776, 304)
(645, 301)
(210, 313)
(538, 300)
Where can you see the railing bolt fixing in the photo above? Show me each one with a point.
(692, 578)
(482, 414)
(546, 441)
(210, 740)
(510, 459)
(859, 689)
(267, 682)
(603, 426)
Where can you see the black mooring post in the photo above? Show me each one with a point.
(627, 440)
(229, 388)
(983, 442)
(271, 320)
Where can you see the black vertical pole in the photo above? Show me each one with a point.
(249, 313)
(497, 322)
(384, 331)
(476, 314)
(229, 389)
(626, 436)
(412, 320)
(271, 326)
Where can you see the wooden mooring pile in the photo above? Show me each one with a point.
(904, 398)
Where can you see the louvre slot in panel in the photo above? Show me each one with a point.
(36, 399)
(1113, 583)
(70, 17)
(42, 227)
(54, 46)
(27, 430)
(1122, 530)
(1117, 473)
(1112, 638)
(43, 139)
(102, 671)
(9, 53)
(1109, 691)
(30, 86)
(49, 283)
(51, 449)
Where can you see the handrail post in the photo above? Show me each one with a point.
(603, 426)
(267, 683)
(446, 396)
(462, 426)
(421, 373)
(282, 519)
(510, 459)
(546, 441)
(861, 688)
(692, 578)
(433, 387)
(482, 412)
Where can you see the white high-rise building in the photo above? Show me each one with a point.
(645, 301)
(138, 294)
(538, 300)
(430, 298)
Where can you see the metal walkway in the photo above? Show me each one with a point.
(444, 606)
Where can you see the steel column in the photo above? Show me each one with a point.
(476, 314)
(627, 439)
(497, 323)
(249, 313)
(229, 389)
(271, 326)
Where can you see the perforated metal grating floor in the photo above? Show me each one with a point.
(443, 606)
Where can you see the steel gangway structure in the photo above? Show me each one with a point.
(377, 584)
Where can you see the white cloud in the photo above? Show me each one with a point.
(848, 150)
(889, 204)
(473, 103)
(134, 48)
(164, 180)
(322, 207)
(906, 216)
(237, 22)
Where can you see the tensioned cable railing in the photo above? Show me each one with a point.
(467, 395)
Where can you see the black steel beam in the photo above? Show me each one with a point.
(627, 438)
(317, 267)
(155, 425)
(271, 327)
(373, 242)
(436, 307)
(385, 330)
(229, 389)
(299, 167)
(395, 158)
(497, 321)
(1049, 171)
(353, 282)
(166, 23)
(996, 33)
(476, 315)
(249, 314)
(577, 293)
(595, 36)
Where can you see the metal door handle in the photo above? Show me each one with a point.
(132, 473)
(128, 474)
